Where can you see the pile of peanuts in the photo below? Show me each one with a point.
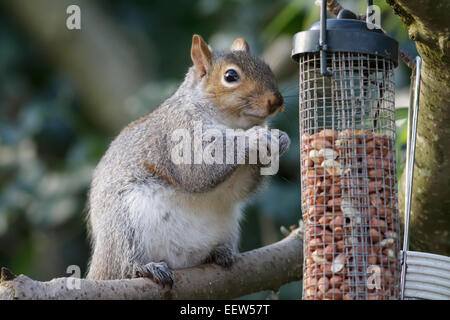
(350, 212)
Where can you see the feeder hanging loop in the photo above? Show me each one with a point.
(323, 46)
(369, 10)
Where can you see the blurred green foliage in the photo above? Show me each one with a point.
(48, 147)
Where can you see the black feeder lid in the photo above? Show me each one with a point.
(346, 35)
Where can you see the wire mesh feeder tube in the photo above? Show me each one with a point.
(348, 169)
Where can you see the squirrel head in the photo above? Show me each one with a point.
(240, 85)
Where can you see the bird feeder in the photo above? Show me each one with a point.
(347, 153)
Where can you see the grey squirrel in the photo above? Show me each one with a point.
(148, 215)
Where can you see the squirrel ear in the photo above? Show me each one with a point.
(201, 55)
(240, 45)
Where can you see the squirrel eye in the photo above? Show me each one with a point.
(231, 75)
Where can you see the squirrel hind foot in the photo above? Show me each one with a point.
(159, 272)
(221, 255)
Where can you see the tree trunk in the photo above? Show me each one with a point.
(428, 25)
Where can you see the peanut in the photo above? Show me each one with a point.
(335, 190)
(375, 235)
(338, 233)
(329, 251)
(338, 221)
(376, 173)
(316, 210)
(382, 140)
(318, 199)
(373, 296)
(334, 294)
(314, 230)
(375, 185)
(389, 253)
(377, 153)
(338, 263)
(315, 157)
(340, 245)
(345, 286)
(327, 154)
(315, 244)
(329, 134)
(387, 275)
(368, 148)
(305, 138)
(319, 171)
(325, 220)
(310, 293)
(335, 281)
(375, 200)
(372, 259)
(323, 284)
(324, 184)
(320, 143)
(309, 191)
(318, 256)
(309, 163)
(325, 268)
(327, 236)
(354, 217)
(335, 203)
(378, 224)
(391, 234)
(381, 212)
(348, 296)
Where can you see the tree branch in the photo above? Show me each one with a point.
(265, 268)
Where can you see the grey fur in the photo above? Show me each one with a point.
(116, 241)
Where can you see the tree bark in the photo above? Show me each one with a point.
(428, 25)
(265, 268)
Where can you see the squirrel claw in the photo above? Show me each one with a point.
(222, 256)
(159, 272)
(284, 142)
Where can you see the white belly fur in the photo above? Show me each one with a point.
(182, 229)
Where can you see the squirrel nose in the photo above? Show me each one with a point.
(275, 102)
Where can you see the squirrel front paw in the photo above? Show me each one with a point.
(157, 271)
(278, 137)
(221, 255)
(284, 142)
